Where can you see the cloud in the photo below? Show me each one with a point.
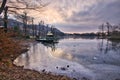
(97, 13)
(77, 15)
(88, 16)
(110, 12)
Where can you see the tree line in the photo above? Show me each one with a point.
(109, 30)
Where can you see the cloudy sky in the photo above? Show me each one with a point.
(78, 15)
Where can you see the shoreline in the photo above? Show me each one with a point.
(9, 71)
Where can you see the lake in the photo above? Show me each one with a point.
(95, 59)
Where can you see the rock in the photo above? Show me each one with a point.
(57, 67)
(62, 68)
(94, 58)
(43, 70)
(68, 66)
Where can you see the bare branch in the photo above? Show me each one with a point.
(13, 5)
(3, 5)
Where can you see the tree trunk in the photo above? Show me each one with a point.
(5, 18)
(3, 5)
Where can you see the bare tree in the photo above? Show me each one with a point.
(15, 8)
(2, 5)
(12, 8)
(25, 20)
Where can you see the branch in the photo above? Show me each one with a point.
(19, 8)
(3, 5)
(28, 8)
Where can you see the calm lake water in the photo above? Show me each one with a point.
(95, 59)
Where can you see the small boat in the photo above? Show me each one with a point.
(49, 38)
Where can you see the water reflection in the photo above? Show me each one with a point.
(40, 57)
(116, 46)
(52, 45)
(105, 46)
(84, 56)
(56, 51)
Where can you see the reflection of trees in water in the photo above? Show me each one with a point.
(116, 46)
(27, 59)
(103, 46)
(52, 45)
(34, 51)
(100, 46)
(106, 45)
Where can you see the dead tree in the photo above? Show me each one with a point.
(2, 7)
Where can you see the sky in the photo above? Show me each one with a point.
(77, 16)
(84, 15)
